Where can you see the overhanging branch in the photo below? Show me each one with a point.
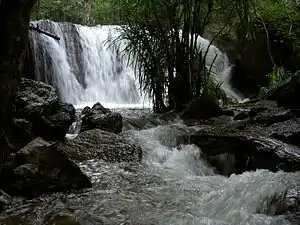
(35, 28)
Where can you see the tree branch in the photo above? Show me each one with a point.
(31, 27)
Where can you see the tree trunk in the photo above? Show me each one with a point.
(87, 12)
(14, 23)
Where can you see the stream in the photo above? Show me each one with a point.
(172, 185)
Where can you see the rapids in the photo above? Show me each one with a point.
(172, 185)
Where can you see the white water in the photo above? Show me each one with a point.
(220, 66)
(85, 68)
(172, 186)
(175, 186)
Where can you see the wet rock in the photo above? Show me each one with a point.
(21, 134)
(202, 108)
(242, 115)
(86, 110)
(39, 104)
(40, 168)
(286, 203)
(135, 123)
(224, 164)
(14, 220)
(99, 144)
(60, 220)
(287, 93)
(287, 131)
(100, 108)
(251, 150)
(101, 118)
(5, 200)
(172, 135)
(264, 113)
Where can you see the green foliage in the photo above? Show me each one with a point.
(75, 11)
(162, 41)
(59, 10)
(281, 18)
(278, 76)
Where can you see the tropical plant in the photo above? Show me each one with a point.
(278, 76)
(163, 43)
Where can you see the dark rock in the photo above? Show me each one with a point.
(172, 135)
(5, 200)
(287, 131)
(60, 219)
(21, 134)
(251, 150)
(202, 108)
(140, 123)
(264, 113)
(100, 108)
(253, 62)
(228, 112)
(100, 144)
(86, 110)
(40, 168)
(287, 94)
(286, 203)
(14, 220)
(57, 125)
(225, 164)
(38, 103)
(101, 118)
(242, 115)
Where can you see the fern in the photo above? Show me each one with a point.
(278, 76)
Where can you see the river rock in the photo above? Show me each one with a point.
(40, 168)
(287, 131)
(21, 134)
(99, 144)
(5, 200)
(251, 150)
(39, 104)
(286, 203)
(287, 94)
(202, 108)
(101, 118)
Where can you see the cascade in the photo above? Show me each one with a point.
(86, 68)
(82, 66)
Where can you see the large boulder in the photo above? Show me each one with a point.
(40, 168)
(39, 104)
(287, 131)
(287, 94)
(99, 144)
(286, 203)
(101, 118)
(252, 150)
(21, 134)
(202, 108)
(5, 200)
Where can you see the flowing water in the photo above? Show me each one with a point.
(173, 184)
(86, 67)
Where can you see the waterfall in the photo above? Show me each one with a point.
(82, 66)
(85, 68)
(220, 66)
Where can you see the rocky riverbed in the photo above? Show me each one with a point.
(130, 166)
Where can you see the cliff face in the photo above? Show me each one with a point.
(14, 22)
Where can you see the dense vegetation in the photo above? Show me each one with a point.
(163, 37)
